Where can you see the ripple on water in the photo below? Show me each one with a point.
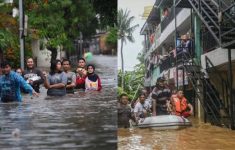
(85, 120)
(200, 136)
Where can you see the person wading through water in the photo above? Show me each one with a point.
(142, 108)
(10, 84)
(32, 75)
(56, 81)
(92, 81)
(124, 112)
(81, 74)
(70, 75)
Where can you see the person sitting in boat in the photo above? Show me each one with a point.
(161, 98)
(92, 81)
(124, 112)
(142, 108)
(181, 107)
(173, 95)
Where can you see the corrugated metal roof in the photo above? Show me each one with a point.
(147, 10)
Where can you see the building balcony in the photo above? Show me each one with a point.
(219, 58)
(165, 32)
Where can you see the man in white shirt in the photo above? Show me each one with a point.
(141, 108)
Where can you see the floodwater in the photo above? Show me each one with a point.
(79, 121)
(200, 136)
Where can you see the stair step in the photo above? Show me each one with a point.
(228, 37)
(213, 17)
(209, 10)
(224, 29)
(211, 14)
(210, 23)
(209, 3)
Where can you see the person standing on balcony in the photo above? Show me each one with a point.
(183, 48)
(161, 95)
(165, 13)
(188, 45)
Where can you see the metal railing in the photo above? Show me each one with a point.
(212, 104)
(170, 60)
(202, 13)
(209, 43)
(166, 21)
(223, 83)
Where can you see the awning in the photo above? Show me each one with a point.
(147, 10)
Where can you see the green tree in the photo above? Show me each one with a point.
(9, 36)
(125, 31)
(107, 11)
(133, 81)
(59, 22)
(111, 39)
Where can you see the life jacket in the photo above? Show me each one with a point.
(90, 85)
(180, 105)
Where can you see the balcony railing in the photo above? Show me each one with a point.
(169, 61)
(209, 42)
(169, 18)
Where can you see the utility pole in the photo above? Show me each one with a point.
(21, 34)
(81, 41)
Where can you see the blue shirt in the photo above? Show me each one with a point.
(10, 85)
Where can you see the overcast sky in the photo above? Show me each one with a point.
(131, 50)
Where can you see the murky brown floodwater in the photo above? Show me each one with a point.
(79, 121)
(198, 137)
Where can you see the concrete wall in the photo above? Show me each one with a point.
(180, 19)
(217, 57)
(44, 56)
(168, 34)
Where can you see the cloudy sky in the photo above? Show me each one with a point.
(131, 50)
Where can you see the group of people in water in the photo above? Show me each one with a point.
(161, 101)
(59, 81)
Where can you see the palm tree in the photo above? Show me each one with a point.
(125, 30)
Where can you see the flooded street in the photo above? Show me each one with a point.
(79, 121)
(198, 137)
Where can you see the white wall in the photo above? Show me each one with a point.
(217, 57)
(44, 56)
(182, 17)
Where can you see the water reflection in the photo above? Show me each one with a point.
(201, 137)
(79, 121)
